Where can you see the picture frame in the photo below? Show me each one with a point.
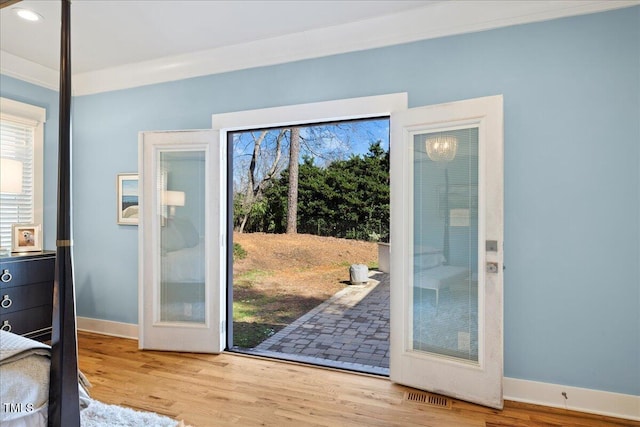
(127, 198)
(458, 197)
(26, 238)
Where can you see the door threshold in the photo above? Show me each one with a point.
(314, 362)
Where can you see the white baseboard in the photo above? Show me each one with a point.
(578, 399)
(108, 327)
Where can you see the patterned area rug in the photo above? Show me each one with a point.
(449, 327)
(99, 414)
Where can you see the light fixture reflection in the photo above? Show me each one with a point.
(172, 199)
(442, 148)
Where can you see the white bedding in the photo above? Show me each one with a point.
(184, 265)
(435, 278)
(432, 272)
(24, 381)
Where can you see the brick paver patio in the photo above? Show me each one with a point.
(348, 331)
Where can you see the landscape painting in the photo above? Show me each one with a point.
(127, 193)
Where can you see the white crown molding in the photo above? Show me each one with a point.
(22, 69)
(586, 400)
(432, 21)
(436, 20)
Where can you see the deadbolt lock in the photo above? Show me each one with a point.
(492, 267)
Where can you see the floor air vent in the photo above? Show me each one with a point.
(427, 399)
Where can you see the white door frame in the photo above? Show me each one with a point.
(317, 112)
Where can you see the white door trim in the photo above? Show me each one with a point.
(326, 111)
(290, 115)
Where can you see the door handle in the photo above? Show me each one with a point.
(492, 267)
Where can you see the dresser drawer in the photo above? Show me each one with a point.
(18, 298)
(27, 321)
(24, 272)
(26, 293)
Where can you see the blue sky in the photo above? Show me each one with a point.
(129, 187)
(331, 142)
(347, 137)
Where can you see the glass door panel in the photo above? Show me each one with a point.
(180, 195)
(445, 243)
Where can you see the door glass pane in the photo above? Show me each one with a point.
(445, 243)
(181, 209)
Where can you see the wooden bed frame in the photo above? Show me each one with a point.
(64, 399)
(64, 403)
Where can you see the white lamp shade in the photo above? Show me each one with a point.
(10, 176)
(173, 198)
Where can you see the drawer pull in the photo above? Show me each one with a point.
(6, 302)
(6, 326)
(6, 276)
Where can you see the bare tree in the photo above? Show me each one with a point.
(262, 155)
(259, 175)
(292, 195)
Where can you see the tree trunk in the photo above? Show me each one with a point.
(292, 196)
(254, 190)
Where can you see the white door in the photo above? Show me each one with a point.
(181, 241)
(446, 249)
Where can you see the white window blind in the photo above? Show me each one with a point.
(21, 140)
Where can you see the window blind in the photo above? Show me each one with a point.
(17, 143)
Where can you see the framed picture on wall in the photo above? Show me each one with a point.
(26, 237)
(127, 198)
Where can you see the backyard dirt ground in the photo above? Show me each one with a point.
(281, 277)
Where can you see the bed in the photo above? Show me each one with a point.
(56, 403)
(431, 270)
(183, 284)
(24, 390)
(182, 271)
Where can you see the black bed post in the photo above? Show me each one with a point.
(64, 404)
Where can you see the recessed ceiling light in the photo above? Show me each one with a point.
(27, 14)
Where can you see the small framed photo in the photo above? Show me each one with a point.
(127, 189)
(26, 238)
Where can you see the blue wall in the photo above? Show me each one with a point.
(572, 188)
(46, 98)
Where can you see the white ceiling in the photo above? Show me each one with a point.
(108, 33)
(126, 43)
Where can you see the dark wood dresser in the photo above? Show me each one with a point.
(26, 293)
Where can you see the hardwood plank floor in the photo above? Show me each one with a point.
(234, 390)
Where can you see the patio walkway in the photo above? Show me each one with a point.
(348, 331)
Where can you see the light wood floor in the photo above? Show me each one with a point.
(234, 390)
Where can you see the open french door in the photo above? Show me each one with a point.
(181, 241)
(446, 250)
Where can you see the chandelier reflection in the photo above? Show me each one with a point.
(442, 148)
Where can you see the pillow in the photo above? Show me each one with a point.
(179, 233)
(188, 232)
(428, 257)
